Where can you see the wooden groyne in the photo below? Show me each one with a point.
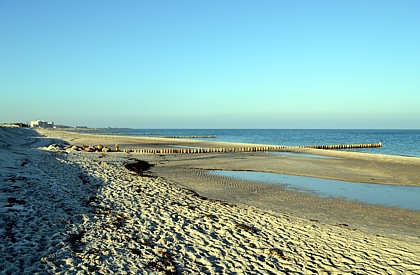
(197, 151)
(345, 146)
(249, 149)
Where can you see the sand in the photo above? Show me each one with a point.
(70, 212)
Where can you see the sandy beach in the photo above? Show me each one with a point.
(70, 212)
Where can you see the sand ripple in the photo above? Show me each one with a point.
(148, 225)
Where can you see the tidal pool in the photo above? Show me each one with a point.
(389, 195)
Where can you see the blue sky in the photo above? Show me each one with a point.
(211, 64)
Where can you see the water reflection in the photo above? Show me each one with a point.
(388, 195)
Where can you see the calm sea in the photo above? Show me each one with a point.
(394, 142)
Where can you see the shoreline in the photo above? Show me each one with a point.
(394, 140)
(107, 219)
(343, 165)
(186, 171)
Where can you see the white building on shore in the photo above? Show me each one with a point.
(41, 124)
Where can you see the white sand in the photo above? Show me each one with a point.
(81, 213)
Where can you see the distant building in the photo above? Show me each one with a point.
(42, 124)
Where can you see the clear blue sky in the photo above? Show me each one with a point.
(211, 64)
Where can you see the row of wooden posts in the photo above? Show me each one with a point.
(245, 149)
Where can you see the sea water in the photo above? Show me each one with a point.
(394, 142)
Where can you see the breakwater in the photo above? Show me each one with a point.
(248, 149)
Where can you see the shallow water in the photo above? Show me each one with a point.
(387, 195)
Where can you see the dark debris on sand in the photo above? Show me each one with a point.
(140, 167)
